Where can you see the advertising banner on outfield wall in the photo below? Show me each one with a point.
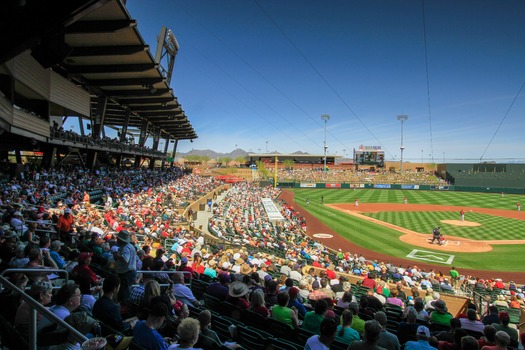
(382, 186)
(307, 184)
(443, 188)
(332, 185)
(410, 187)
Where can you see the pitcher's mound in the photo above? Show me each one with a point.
(461, 223)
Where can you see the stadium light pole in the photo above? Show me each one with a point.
(326, 118)
(402, 118)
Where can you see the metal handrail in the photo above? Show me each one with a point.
(26, 270)
(36, 306)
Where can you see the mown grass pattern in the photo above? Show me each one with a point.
(385, 240)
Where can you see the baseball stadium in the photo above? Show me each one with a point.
(108, 240)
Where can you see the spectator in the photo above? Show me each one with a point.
(372, 331)
(66, 301)
(469, 343)
(294, 302)
(238, 295)
(107, 311)
(440, 314)
(488, 338)
(312, 319)
(145, 333)
(386, 340)
(456, 344)
(205, 325)
(502, 340)
(408, 328)
(492, 316)
(503, 325)
(423, 335)
(83, 269)
(126, 264)
(182, 292)
(258, 304)
(41, 292)
(357, 323)
(395, 300)
(326, 336)
(188, 332)
(345, 333)
(471, 323)
(345, 300)
(221, 288)
(448, 336)
(281, 312)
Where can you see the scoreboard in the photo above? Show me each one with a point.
(376, 158)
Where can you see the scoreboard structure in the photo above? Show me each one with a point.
(369, 155)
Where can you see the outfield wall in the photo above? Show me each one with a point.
(351, 186)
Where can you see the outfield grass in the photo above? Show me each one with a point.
(385, 240)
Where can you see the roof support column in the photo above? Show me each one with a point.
(156, 139)
(174, 152)
(124, 131)
(165, 151)
(99, 116)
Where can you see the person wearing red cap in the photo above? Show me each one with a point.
(503, 325)
(294, 302)
(83, 269)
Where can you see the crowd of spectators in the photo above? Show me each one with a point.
(358, 177)
(58, 132)
(49, 220)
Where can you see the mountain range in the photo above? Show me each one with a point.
(214, 155)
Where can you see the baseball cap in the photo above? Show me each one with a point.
(67, 211)
(422, 330)
(184, 260)
(293, 292)
(84, 255)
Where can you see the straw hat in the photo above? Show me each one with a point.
(246, 269)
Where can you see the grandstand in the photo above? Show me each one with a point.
(67, 71)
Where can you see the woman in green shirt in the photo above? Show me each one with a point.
(283, 313)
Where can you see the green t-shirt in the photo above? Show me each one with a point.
(282, 313)
(312, 322)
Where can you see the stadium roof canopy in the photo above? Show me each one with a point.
(96, 44)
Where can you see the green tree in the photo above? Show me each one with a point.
(241, 160)
(263, 170)
(288, 163)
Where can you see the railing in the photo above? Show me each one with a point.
(37, 307)
(32, 271)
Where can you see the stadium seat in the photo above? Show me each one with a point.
(254, 319)
(281, 329)
(251, 338)
(282, 344)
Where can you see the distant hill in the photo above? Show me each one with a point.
(214, 155)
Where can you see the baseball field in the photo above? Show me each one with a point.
(491, 237)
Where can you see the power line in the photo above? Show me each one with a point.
(428, 83)
(321, 76)
(502, 120)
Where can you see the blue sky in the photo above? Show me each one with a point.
(258, 75)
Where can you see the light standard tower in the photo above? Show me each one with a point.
(402, 118)
(326, 118)
(266, 146)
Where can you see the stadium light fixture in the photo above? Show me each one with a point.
(402, 118)
(326, 118)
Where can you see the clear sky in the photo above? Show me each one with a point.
(258, 75)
